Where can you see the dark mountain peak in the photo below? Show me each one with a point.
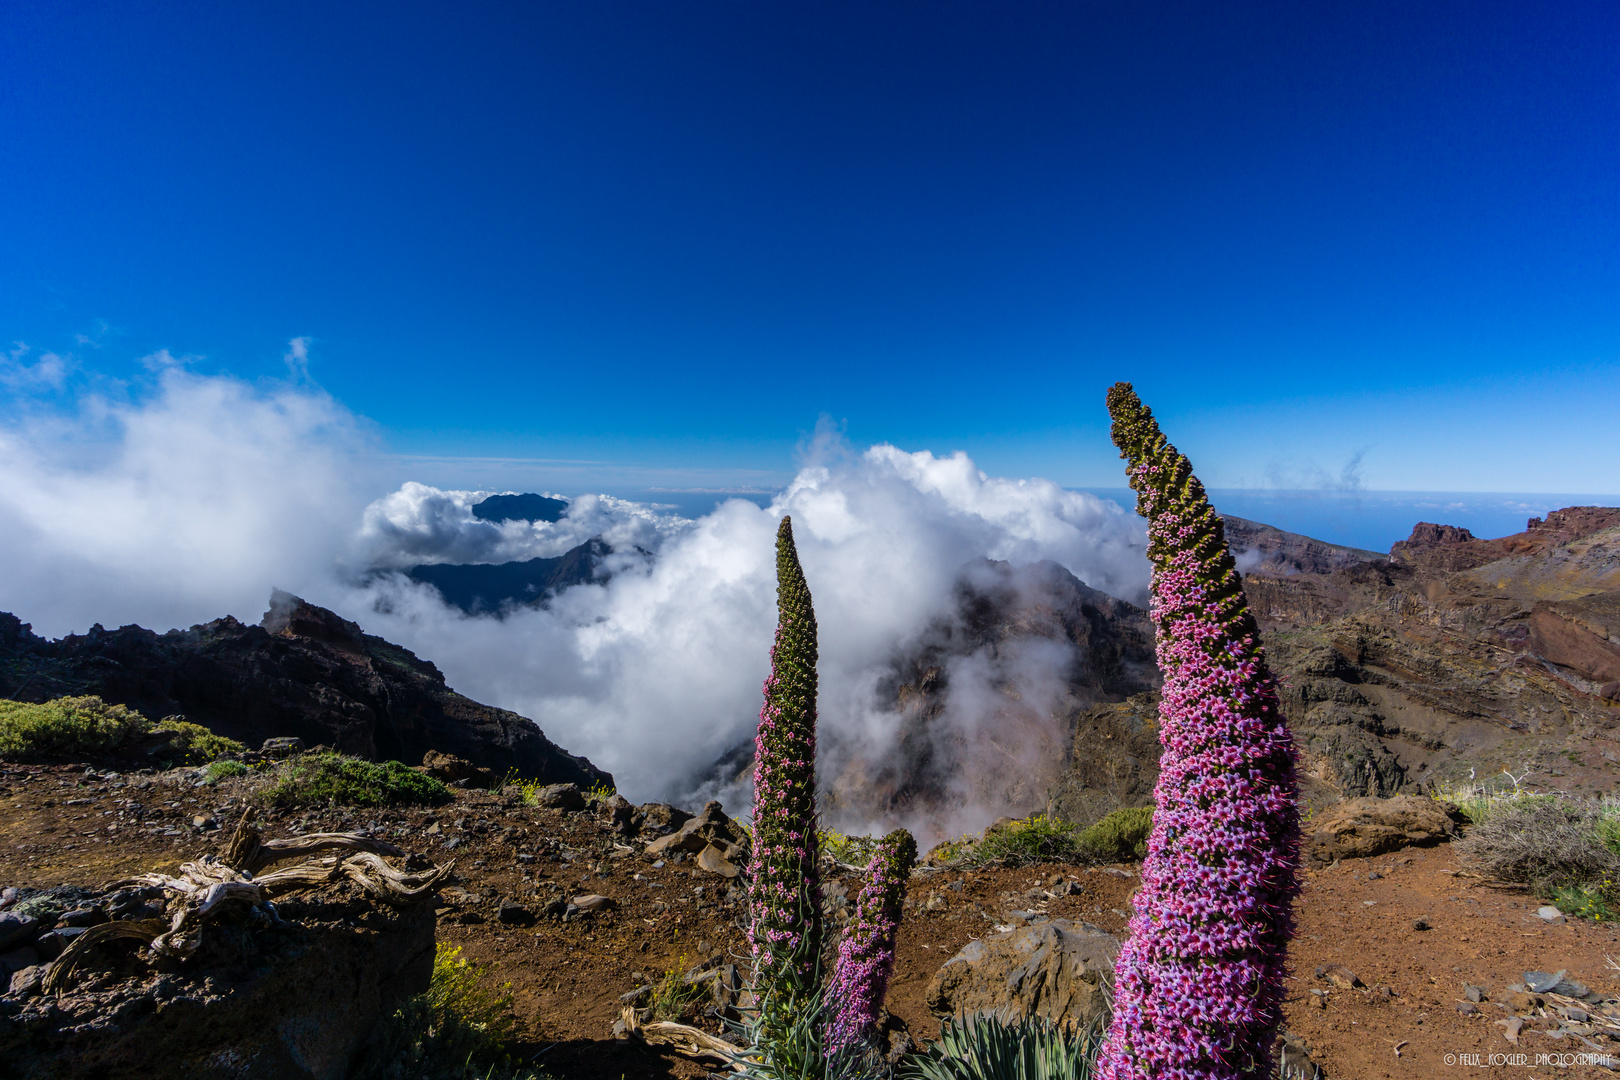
(475, 587)
(291, 616)
(526, 507)
(303, 671)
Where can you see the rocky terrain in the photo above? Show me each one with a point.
(590, 907)
(1447, 663)
(302, 672)
(1451, 660)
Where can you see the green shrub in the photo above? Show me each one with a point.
(89, 727)
(1035, 839)
(1121, 836)
(1480, 801)
(194, 744)
(323, 779)
(672, 995)
(988, 1048)
(458, 1030)
(850, 850)
(1588, 902)
(84, 726)
(223, 770)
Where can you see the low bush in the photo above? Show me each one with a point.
(1120, 837)
(849, 850)
(458, 1030)
(67, 726)
(89, 727)
(1586, 902)
(327, 778)
(1547, 843)
(224, 770)
(672, 995)
(988, 1048)
(194, 744)
(1035, 839)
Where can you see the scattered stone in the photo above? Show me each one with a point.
(1574, 1013)
(1571, 988)
(1341, 976)
(1551, 914)
(1513, 1024)
(1476, 994)
(203, 821)
(1420, 924)
(663, 816)
(1468, 1008)
(50, 946)
(17, 959)
(1539, 982)
(592, 902)
(711, 827)
(1056, 969)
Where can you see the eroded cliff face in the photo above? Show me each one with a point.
(302, 671)
(1457, 659)
(991, 701)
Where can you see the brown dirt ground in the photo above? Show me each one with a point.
(58, 826)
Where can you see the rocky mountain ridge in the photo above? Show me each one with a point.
(303, 671)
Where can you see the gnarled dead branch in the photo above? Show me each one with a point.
(683, 1039)
(203, 887)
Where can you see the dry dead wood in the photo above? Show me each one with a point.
(203, 887)
(683, 1039)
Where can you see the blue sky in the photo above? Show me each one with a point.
(1333, 245)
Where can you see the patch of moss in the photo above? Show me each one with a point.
(324, 779)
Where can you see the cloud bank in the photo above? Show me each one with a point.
(196, 500)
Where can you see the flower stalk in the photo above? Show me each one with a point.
(785, 890)
(866, 956)
(1199, 983)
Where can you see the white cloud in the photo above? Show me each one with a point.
(194, 501)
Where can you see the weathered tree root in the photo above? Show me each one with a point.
(204, 886)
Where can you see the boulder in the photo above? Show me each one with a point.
(560, 797)
(16, 929)
(1361, 828)
(306, 1010)
(711, 828)
(456, 770)
(1055, 969)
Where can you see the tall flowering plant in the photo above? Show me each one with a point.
(785, 891)
(1199, 983)
(866, 956)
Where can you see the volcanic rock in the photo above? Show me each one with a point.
(1053, 969)
(303, 672)
(305, 1008)
(1364, 827)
